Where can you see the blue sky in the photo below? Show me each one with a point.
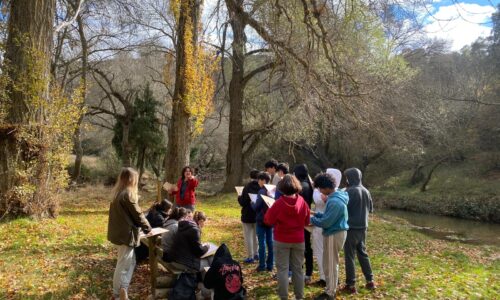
(460, 22)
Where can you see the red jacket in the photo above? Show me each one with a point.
(289, 215)
(189, 195)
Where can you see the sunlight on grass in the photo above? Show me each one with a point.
(70, 258)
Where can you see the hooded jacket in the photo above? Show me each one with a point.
(167, 238)
(125, 219)
(289, 215)
(335, 217)
(188, 247)
(247, 212)
(360, 200)
(225, 276)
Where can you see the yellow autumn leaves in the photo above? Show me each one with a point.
(197, 70)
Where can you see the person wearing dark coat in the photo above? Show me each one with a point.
(158, 213)
(302, 174)
(359, 206)
(188, 247)
(248, 217)
(225, 276)
(264, 232)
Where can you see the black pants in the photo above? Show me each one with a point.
(308, 253)
(355, 244)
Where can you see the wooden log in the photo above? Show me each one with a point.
(153, 264)
(166, 281)
(162, 293)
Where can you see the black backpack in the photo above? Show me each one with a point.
(184, 287)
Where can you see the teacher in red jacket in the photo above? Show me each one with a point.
(184, 192)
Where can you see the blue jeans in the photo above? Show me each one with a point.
(265, 237)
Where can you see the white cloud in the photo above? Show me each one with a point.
(461, 23)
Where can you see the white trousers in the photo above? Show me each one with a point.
(332, 246)
(317, 246)
(124, 269)
(250, 236)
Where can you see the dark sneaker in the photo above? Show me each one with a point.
(248, 260)
(256, 257)
(307, 280)
(269, 269)
(348, 289)
(259, 269)
(324, 296)
(370, 285)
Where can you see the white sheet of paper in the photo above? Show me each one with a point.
(253, 197)
(206, 269)
(153, 232)
(268, 200)
(211, 250)
(168, 186)
(239, 190)
(271, 190)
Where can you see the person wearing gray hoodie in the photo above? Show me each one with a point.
(359, 206)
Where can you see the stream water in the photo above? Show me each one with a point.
(448, 228)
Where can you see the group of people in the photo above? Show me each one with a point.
(181, 243)
(282, 229)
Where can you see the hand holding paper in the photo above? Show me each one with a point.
(239, 190)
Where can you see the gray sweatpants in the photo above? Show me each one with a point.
(355, 244)
(289, 256)
(250, 237)
(332, 244)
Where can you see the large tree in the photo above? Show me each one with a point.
(27, 71)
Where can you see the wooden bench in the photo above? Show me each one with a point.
(160, 286)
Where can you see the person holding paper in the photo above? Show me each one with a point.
(302, 174)
(334, 224)
(264, 232)
(317, 234)
(184, 192)
(248, 217)
(289, 215)
(188, 247)
(270, 167)
(125, 219)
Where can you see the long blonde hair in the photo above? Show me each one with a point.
(127, 180)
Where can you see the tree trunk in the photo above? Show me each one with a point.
(179, 133)
(27, 65)
(417, 175)
(234, 156)
(126, 157)
(77, 135)
(140, 162)
(428, 179)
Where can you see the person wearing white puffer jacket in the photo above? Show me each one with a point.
(317, 234)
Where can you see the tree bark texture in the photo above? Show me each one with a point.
(77, 135)
(234, 155)
(179, 133)
(28, 49)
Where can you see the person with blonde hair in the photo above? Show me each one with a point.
(125, 219)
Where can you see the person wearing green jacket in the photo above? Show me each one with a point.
(125, 219)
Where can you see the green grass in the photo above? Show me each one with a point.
(69, 257)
